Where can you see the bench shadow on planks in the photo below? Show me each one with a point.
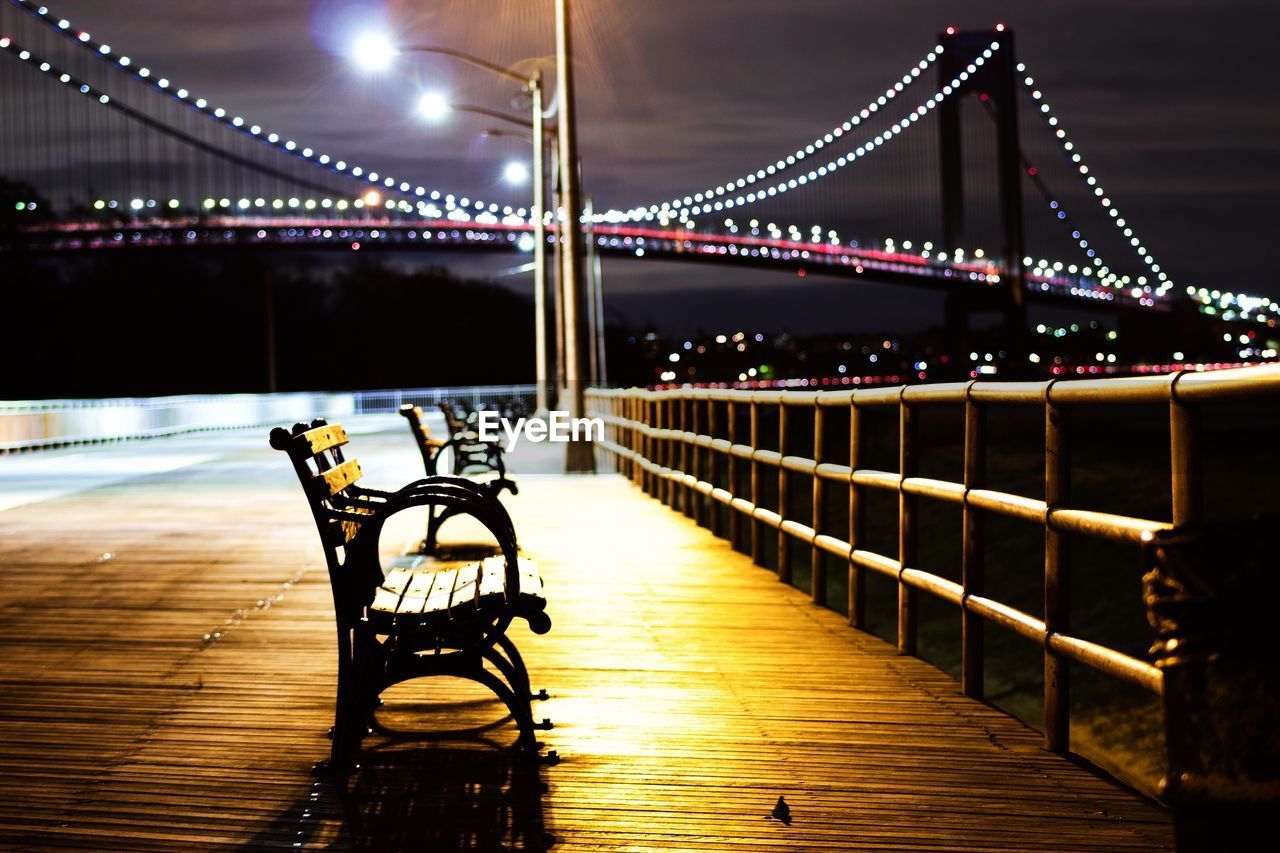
(478, 461)
(401, 624)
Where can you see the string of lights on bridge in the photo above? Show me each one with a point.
(1091, 182)
(677, 204)
(683, 209)
(695, 205)
(226, 118)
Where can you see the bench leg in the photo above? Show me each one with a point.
(347, 717)
(518, 707)
(434, 520)
(513, 655)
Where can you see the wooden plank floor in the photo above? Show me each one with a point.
(173, 695)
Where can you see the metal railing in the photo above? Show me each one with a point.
(498, 397)
(670, 442)
(37, 424)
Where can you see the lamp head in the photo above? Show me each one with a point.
(374, 51)
(433, 106)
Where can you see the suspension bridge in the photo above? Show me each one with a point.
(783, 620)
(106, 151)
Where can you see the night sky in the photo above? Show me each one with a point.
(1174, 104)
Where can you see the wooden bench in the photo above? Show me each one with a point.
(399, 624)
(471, 459)
(470, 454)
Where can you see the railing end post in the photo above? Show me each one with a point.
(1210, 595)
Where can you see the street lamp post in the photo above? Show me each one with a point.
(579, 456)
(376, 53)
(541, 376)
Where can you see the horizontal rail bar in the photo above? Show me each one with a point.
(1181, 389)
(1087, 653)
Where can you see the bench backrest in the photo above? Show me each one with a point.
(428, 445)
(456, 424)
(328, 480)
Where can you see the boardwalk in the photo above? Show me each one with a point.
(172, 694)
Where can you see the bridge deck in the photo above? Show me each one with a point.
(690, 690)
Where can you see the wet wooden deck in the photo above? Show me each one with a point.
(174, 694)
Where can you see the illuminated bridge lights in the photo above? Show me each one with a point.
(699, 203)
(219, 114)
(817, 246)
(790, 160)
(1091, 182)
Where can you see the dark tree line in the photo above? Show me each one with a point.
(156, 322)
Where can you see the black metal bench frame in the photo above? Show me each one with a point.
(374, 651)
(468, 455)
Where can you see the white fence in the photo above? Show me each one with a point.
(29, 425)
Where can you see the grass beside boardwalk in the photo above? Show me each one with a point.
(1120, 464)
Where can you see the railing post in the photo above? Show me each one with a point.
(731, 432)
(908, 432)
(972, 571)
(1187, 485)
(631, 403)
(679, 451)
(857, 521)
(675, 448)
(817, 559)
(1057, 575)
(757, 532)
(784, 490)
(693, 460)
(667, 450)
(653, 454)
(650, 407)
(1210, 595)
(638, 419)
(713, 430)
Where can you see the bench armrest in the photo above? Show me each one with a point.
(464, 448)
(458, 494)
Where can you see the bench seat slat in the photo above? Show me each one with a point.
(464, 599)
(441, 591)
(397, 580)
(494, 579)
(415, 594)
(456, 593)
(386, 600)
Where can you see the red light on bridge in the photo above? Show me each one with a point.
(355, 247)
(999, 28)
(1032, 170)
(951, 31)
(800, 272)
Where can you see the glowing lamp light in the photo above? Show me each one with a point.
(374, 52)
(515, 173)
(526, 243)
(433, 106)
(372, 198)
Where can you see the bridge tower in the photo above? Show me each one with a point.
(996, 83)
